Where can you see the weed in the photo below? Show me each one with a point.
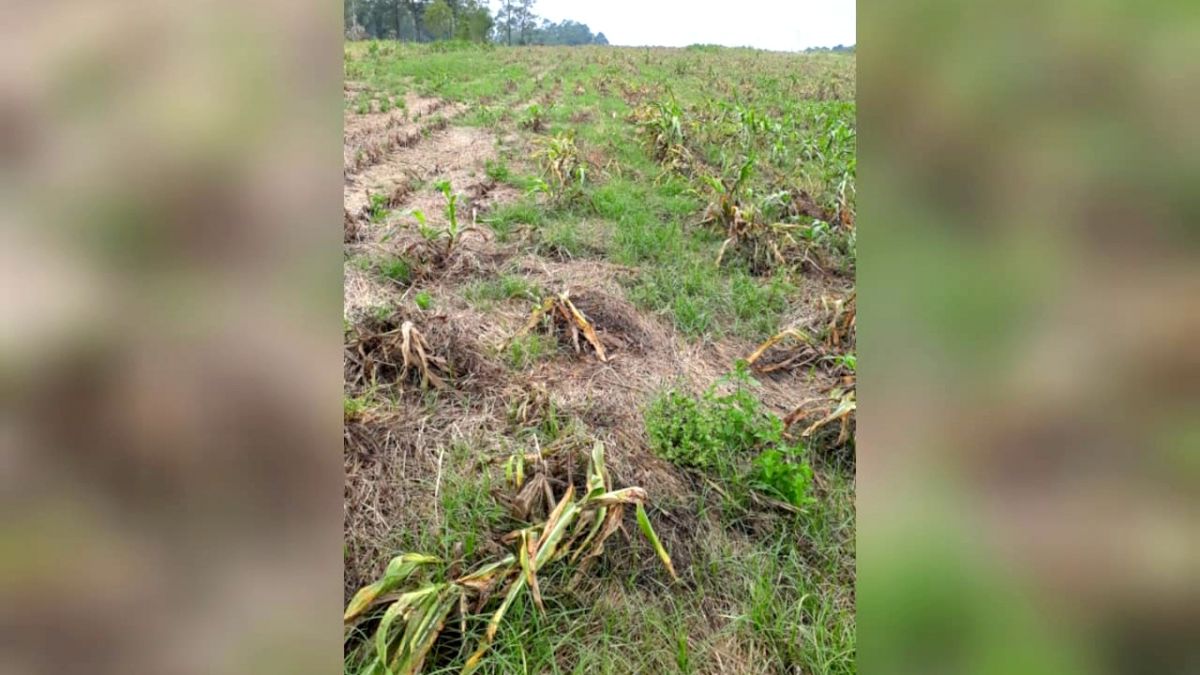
(423, 300)
(718, 432)
(496, 170)
(507, 287)
(523, 351)
(784, 475)
(378, 209)
(354, 407)
(534, 119)
(397, 269)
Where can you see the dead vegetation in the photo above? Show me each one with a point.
(396, 352)
(562, 318)
(829, 346)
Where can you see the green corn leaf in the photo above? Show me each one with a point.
(427, 631)
(398, 570)
(396, 610)
(648, 530)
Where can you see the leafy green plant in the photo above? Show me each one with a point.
(719, 432)
(534, 118)
(496, 170)
(378, 209)
(454, 231)
(783, 475)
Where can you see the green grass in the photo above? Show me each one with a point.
(396, 268)
(524, 351)
(487, 292)
(505, 219)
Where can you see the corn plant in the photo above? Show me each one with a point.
(661, 125)
(564, 170)
(454, 231)
(418, 608)
(534, 119)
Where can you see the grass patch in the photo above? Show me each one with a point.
(506, 218)
(486, 293)
(395, 268)
(523, 351)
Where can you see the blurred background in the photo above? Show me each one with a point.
(1028, 428)
(170, 345)
(170, 349)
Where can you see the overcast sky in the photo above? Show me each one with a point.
(766, 24)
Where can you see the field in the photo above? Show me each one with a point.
(605, 294)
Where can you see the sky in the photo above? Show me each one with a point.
(767, 24)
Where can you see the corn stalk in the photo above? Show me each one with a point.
(417, 611)
(560, 309)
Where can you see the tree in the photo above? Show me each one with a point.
(439, 19)
(475, 22)
(416, 10)
(508, 19)
(600, 39)
(525, 19)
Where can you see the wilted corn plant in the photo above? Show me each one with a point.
(841, 407)
(661, 125)
(831, 349)
(763, 245)
(562, 312)
(563, 168)
(418, 609)
(374, 353)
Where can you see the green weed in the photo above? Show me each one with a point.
(720, 432)
(525, 350)
(397, 269)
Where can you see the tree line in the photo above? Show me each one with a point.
(514, 22)
(839, 49)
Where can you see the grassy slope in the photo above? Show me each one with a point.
(762, 597)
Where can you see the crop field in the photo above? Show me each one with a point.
(599, 316)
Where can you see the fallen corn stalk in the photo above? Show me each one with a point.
(842, 409)
(563, 312)
(832, 346)
(417, 610)
(807, 351)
